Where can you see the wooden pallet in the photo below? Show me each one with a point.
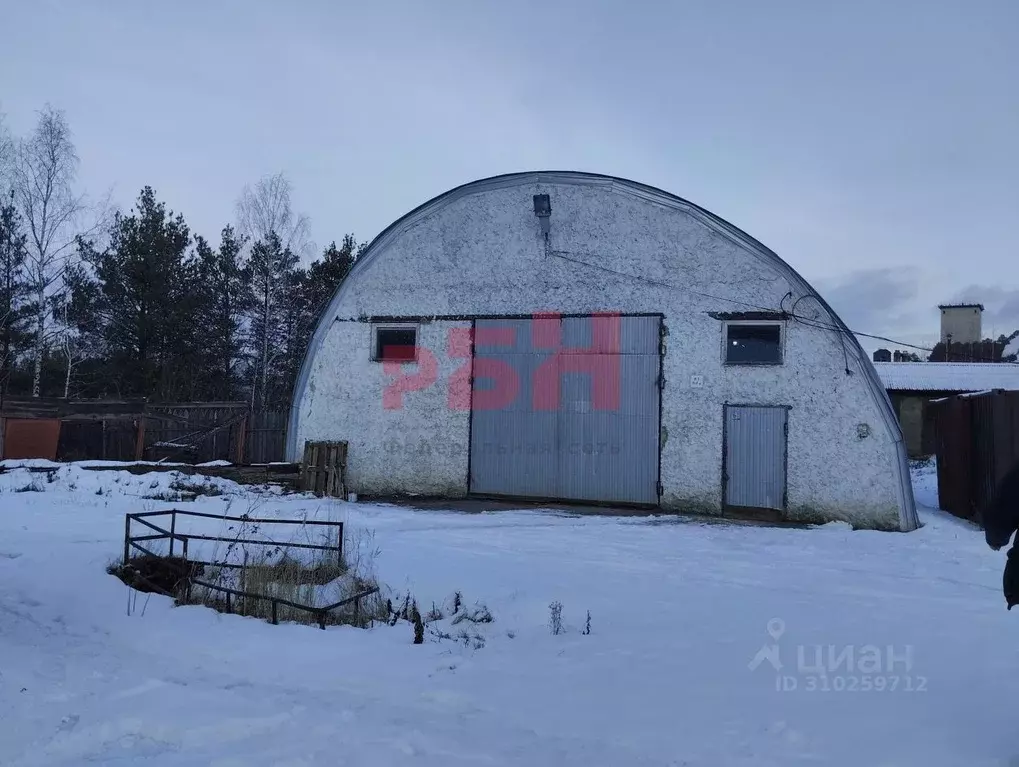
(324, 469)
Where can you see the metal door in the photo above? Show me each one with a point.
(583, 419)
(754, 470)
(513, 447)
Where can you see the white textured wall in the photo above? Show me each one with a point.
(483, 254)
(420, 447)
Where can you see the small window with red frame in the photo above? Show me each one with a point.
(395, 344)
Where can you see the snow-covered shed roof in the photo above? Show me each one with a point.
(948, 376)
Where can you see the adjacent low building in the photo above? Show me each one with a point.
(912, 385)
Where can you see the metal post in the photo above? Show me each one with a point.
(229, 609)
(139, 445)
(127, 538)
(173, 528)
(339, 547)
(275, 620)
(187, 572)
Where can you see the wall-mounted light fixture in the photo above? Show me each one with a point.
(543, 210)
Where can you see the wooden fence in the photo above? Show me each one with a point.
(195, 432)
(267, 435)
(190, 432)
(216, 431)
(977, 442)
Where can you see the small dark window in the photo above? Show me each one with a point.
(395, 344)
(753, 345)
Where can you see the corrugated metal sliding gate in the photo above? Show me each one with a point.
(567, 408)
(754, 472)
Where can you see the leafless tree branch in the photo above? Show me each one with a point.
(6, 156)
(45, 170)
(265, 214)
(266, 208)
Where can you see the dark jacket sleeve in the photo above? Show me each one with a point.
(1010, 580)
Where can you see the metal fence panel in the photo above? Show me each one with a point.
(31, 438)
(983, 455)
(953, 441)
(977, 439)
(1005, 417)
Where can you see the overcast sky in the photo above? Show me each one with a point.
(873, 144)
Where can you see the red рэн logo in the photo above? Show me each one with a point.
(600, 362)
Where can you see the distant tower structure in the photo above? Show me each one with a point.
(961, 323)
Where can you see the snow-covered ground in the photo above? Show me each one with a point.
(680, 610)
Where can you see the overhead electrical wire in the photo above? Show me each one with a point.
(659, 283)
(805, 320)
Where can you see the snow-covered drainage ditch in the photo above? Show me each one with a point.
(280, 569)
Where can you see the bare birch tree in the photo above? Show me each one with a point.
(266, 209)
(279, 239)
(45, 169)
(6, 157)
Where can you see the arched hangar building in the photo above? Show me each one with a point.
(577, 337)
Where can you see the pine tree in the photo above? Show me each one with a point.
(79, 314)
(292, 320)
(140, 294)
(15, 309)
(223, 283)
(294, 339)
(326, 274)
